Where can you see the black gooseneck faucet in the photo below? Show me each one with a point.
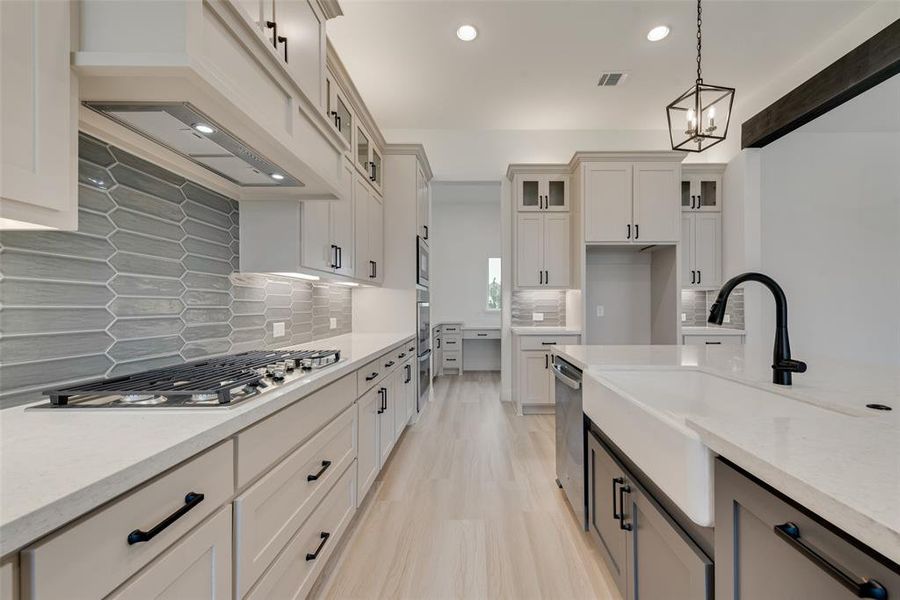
(782, 364)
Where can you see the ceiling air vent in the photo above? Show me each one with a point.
(612, 79)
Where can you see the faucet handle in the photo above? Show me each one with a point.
(792, 366)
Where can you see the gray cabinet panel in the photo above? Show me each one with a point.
(753, 561)
(665, 564)
(602, 470)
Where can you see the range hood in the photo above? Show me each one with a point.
(180, 127)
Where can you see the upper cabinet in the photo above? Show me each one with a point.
(701, 191)
(543, 251)
(369, 217)
(701, 229)
(423, 205)
(631, 202)
(338, 110)
(368, 157)
(326, 233)
(38, 117)
(542, 192)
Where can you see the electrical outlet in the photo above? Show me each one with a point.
(332, 323)
(278, 330)
(727, 318)
(683, 317)
(537, 316)
(600, 310)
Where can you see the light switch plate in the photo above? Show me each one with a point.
(683, 317)
(600, 310)
(537, 316)
(332, 323)
(277, 330)
(727, 318)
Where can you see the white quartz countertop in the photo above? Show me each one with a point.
(843, 464)
(58, 464)
(710, 331)
(538, 330)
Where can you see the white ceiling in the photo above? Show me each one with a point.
(535, 64)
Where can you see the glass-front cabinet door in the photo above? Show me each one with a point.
(338, 111)
(701, 192)
(529, 193)
(556, 193)
(362, 150)
(375, 168)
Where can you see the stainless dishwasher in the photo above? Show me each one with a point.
(570, 437)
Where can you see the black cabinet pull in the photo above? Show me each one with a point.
(314, 476)
(549, 343)
(541, 277)
(637, 231)
(439, 342)
(426, 231)
(546, 277)
(191, 500)
(274, 27)
(372, 270)
(384, 394)
(381, 404)
(693, 277)
(314, 555)
(699, 277)
(372, 171)
(616, 481)
(401, 355)
(628, 235)
(623, 489)
(546, 361)
(333, 256)
(408, 374)
(713, 343)
(389, 364)
(866, 588)
(336, 119)
(340, 257)
(372, 376)
(481, 334)
(283, 40)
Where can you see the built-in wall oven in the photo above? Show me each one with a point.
(423, 345)
(421, 262)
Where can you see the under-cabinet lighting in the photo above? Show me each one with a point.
(660, 32)
(299, 276)
(277, 176)
(467, 33)
(204, 128)
(347, 283)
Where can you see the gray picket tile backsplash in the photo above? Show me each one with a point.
(148, 280)
(552, 303)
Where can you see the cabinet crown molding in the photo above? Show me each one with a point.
(417, 150)
(703, 168)
(537, 169)
(330, 8)
(597, 156)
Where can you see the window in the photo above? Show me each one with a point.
(493, 284)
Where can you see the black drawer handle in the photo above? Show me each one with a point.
(481, 334)
(372, 376)
(314, 555)
(314, 476)
(867, 588)
(713, 343)
(401, 355)
(616, 481)
(623, 489)
(389, 364)
(191, 500)
(548, 343)
(450, 360)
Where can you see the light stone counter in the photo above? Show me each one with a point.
(58, 464)
(843, 464)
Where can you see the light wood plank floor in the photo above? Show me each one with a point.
(468, 507)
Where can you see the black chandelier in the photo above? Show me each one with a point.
(696, 117)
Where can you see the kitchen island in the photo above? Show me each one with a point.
(826, 445)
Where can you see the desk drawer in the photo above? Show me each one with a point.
(481, 334)
(296, 569)
(270, 512)
(93, 556)
(451, 328)
(451, 360)
(543, 342)
(451, 343)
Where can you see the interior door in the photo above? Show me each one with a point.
(342, 222)
(376, 236)
(556, 249)
(368, 460)
(688, 272)
(656, 204)
(607, 202)
(708, 248)
(604, 478)
(529, 250)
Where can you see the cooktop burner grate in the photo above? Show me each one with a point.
(206, 379)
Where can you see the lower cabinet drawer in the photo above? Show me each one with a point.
(481, 334)
(451, 360)
(296, 569)
(543, 342)
(99, 552)
(197, 567)
(271, 511)
(713, 340)
(263, 444)
(451, 343)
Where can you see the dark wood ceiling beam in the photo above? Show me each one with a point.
(864, 67)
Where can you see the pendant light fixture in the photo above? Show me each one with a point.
(699, 117)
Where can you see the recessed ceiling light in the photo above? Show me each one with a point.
(277, 176)
(467, 33)
(204, 128)
(658, 33)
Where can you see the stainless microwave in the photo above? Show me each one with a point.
(421, 262)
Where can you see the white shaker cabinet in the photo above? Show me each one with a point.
(369, 457)
(543, 255)
(423, 205)
(655, 209)
(327, 230)
(197, 567)
(701, 191)
(536, 378)
(301, 42)
(607, 202)
(542, 192)
(38, 117)
(701, 250)
(369, 218)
